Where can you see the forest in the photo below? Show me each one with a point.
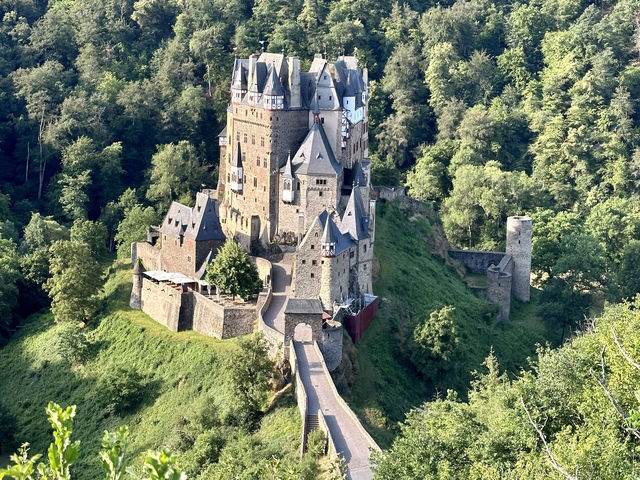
(110, 109)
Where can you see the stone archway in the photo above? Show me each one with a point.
(303, 310)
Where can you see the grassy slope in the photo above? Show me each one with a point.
(412, 283)
(182, 371)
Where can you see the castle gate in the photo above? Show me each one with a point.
(303, 310)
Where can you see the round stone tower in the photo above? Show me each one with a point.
(331, 345)
(499, 290)
(135, 301)
(519, 247)
(328, 254)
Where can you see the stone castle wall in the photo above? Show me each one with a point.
(162, 303)
(499, 279)
(476, 261)
(179, 311)
(331, 345)
(147, 253)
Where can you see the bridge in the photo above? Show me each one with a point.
(318, 399)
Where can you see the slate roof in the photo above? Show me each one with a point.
(355, 222)
(343, 242)
(223, 133)
(315, 156)
(303, 305)
(236, 159)
(287, 169)
(239, 77)
(272, 85)
(199, 223)
(358, 175)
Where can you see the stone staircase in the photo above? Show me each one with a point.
(311, 424)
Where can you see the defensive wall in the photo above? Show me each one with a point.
(508, 273)
(148, 254)
(190, 310)
(477, 261)
(162, 302)
(389, 193)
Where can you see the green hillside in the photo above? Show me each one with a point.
(184, 395)
(413, 282)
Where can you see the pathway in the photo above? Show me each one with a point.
(349, 440)
(347, 436)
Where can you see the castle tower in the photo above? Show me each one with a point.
(236, 171)
(519, 230)
(328, 257)
(499, 290)
(135, 301)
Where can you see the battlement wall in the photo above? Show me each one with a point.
(476, 261)
(146, 252)
(162, 303)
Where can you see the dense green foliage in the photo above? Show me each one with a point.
(233, 272)
(492, 436)
(402, 362)
(62, 453)
(173, 390)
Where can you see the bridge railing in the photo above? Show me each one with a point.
(301, 397)
(372, 444)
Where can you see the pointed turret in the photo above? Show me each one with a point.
(329, 239)
(236, 170)
(273, 93)
(288, 182)
(355, 220)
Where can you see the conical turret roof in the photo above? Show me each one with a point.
(354, 221)
(329, 235)
(287, 168)
(236, 160)
(272, 85)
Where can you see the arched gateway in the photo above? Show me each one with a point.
(303, 310)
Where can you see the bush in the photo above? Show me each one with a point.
(121, 390)
(8, 425)
(72, 344)
(316, 443)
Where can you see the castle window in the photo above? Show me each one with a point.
(255, 181)
(316, 234)
(237, 136)
(352, 254)
(329, 97)
(188, 258)
(245, 138)
(312, 275)
(322, 120)
(320, 194)
(264, 163)
(313, 247)
(313, 262)
(262, 141)
(253, 139)
(365, 247)
(304, 261)
(319, 97)
(257, 162)
(322, 262)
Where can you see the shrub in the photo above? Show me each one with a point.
(121, 390)
(316, 443)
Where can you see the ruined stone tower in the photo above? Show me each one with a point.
(519, 230)
(135, 301)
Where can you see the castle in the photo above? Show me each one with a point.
(508, 273)
(294, 171)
